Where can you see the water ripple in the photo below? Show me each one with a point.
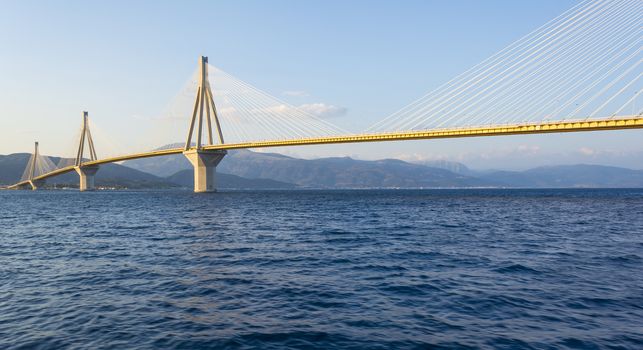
(493, 269)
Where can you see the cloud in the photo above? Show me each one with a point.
(295, 93)
(320, 110)
(419, 158)
(226, 110)
(586, 151)
(323, 110)
(277, 109)
(527, 149)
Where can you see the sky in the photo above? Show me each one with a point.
(356, 61)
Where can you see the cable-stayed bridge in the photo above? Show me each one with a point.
(579, 72)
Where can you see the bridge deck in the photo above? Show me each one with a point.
(615, 123)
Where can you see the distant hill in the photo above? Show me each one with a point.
(12, 166)
(341, 172)
(185, 178)
(115, 175)
(110, 175)
(454, 167)
(344, 172)
(565, 176)
(347, 172)
(254, 170)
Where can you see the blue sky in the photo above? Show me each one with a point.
(125, 60)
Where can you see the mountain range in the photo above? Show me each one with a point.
(243, 169)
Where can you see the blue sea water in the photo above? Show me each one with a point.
(494, 269)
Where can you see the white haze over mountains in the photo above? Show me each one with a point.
(531, 156)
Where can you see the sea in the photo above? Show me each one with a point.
(322, 269)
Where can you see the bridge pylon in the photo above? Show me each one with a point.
(204, 161)
(86, 172)
(35, 184)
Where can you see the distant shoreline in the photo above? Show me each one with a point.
(181, 189)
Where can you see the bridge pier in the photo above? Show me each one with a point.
(86, 174)
(205, 164)
(33, 185)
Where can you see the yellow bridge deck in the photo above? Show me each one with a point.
(614, 123)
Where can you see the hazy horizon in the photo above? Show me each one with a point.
(473, 165)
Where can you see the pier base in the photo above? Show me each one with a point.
(35, 184)
(86, 175)
(204, 163)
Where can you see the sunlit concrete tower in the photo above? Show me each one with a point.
(86, 172)
(35, 184)
(204, 161)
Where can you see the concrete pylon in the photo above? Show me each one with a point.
(86, 174)
(204, 161)
(35, 184)
(203, 102)
(205, 164)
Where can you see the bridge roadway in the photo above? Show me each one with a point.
(613, 123)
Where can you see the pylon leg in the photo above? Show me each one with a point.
(204, 163)
(35, 184)
(86, 175)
